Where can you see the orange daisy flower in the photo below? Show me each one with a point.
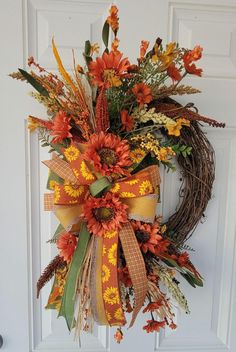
(153, 306)
(143, 93)
(153, 325)
(108, 69)
(189, 57)
(104, 214)
(61, 127)
(127, 121)
(147, 235)
(66, 243)
(173, 72)
(108, 153)
(113, 19)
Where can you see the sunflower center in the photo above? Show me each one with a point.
(107, 156)
(103, 213)
(142, 236)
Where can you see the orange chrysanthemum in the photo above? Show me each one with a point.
(104, 214)
(108, 69)
(147, 235)
(66, 243)
(143, 93)
(113, 19)
(127, 121)
(61, 127)
(153, 306)
(108, 153)
(153, 325)
(189, 57)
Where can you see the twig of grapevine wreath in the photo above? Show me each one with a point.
(198, 172)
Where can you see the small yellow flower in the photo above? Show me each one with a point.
(119, 314)
(94, 49)
(71, 153)
(74, 190)
(105, 273)
(86, 172)
(112, 254)
(110, 234)
(111, 296)
(145, 188)
(137, 155)
(52, 184)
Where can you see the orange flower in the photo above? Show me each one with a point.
(61, 127)
(183, 259)
(118, 335)
(173, 72)
(127, 121)
(108, 69)
(147, 235)
(113, 19)
(162, 247)
(172, 325)
(153, 306)
(115, 44)
(67, 244)
(143, 48)
(153, 325)
(189, 57)
(108, 153)
(104, 214)
(143, 93)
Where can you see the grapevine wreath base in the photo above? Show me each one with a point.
(111, 125)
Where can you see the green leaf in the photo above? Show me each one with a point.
(105, 34)
(87, 48)
(68, 300)
(34, 83)
(58, 231)
(189, 279)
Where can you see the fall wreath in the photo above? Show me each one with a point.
(111, 126)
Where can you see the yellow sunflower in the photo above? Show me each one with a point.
(56, 193)
(145, 188)
(111, 295)
(115, 188)
(119, 314)
(74, 190)
(105, 273)
(127, 195)
(86, 172)
(112, 254)
(110, 234)
(132, 182)
(104, 250)
(71, 153)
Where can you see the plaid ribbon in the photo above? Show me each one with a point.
(136, 267)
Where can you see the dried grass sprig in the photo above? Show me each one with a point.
(17, 75)
(164, 91)
(49, 272)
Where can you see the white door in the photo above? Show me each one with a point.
(26, 28)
